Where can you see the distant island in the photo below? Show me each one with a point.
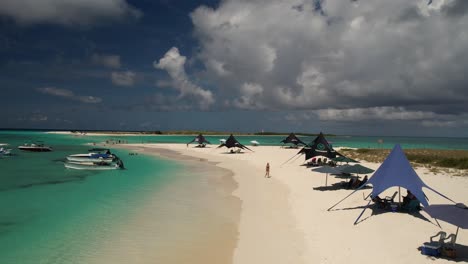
(196, 132)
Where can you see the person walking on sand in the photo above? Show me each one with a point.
(267, 170)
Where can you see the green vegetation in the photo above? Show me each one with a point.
(196, 132)
(454, 159)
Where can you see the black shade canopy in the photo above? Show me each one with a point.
(232, 142)
(200, 139)
(319, 147)
(341, 158)
(293, 140)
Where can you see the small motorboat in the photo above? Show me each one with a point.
(222, 141)
(94, 155)
(115, 164)
(4, 151)
(254, 143)
(35, 147)
(93, 165)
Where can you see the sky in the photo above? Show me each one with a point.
(354, 67)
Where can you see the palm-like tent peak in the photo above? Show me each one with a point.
(232, 142)
(200, 139)
(293, 139)
(319, 147)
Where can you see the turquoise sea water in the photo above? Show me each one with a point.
(49, 214)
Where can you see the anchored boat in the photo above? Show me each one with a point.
(35, 147)
(94, 155)
(4, 151)
(96, 159)
(94, 165)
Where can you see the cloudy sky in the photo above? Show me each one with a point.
(339, 66)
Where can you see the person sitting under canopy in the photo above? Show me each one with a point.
(410, 202)
(355, 183)
(379, 202)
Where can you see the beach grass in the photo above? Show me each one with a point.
(453, 159)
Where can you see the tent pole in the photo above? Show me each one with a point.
(296, 158)
(288, 160)
(326, 180)
(456, 234)
(359, 217)
(399, 194)
(343, 199)
(367, 195)
(439, 194)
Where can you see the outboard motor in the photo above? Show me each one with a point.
(120, 164)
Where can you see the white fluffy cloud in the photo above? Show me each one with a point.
(109, 61)
(398, 60)
(67, 12)
(64, 93)
(250, 98)
(123, 78)
(373, 113)
(174, 64)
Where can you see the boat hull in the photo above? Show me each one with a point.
(91, 166)
(35, 149)
(89, 159)
(5, 152)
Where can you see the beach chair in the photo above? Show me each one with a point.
(451, 243)
(434, 247)
(442, 235)
(389, 199)
(448, 248)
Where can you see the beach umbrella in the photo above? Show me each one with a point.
(455, 214)
(327, 170)
(357, 169)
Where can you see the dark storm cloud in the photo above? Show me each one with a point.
(67, 12)
(455, 8)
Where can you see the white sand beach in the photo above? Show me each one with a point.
(285, 220)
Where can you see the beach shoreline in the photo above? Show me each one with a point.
(252, 233)
(202, 230)
(284, 219)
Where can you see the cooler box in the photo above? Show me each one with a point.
(430, 250)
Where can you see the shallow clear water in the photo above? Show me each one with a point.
(49, 214)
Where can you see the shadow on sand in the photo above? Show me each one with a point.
(462, 254)
(337, 186)
(375, 210)
(235, 152)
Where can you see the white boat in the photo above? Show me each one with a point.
(94, 155)
(4, 151)
(93, 166)
(222, 141)
(35, 147)
(254, 143)
(96, 159)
